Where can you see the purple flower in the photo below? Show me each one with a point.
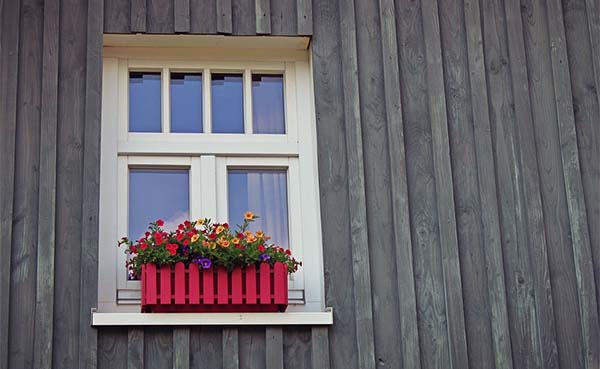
(205, 263)
(264, 257)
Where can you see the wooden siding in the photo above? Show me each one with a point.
(459, 165)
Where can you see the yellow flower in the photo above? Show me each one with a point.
(250, 238)
(224, 243)
(220, 229)
(195, 238)
(248, 215)
(247, 233)
(200, 222)
(235, 241)
(213, 245)
(260, 234)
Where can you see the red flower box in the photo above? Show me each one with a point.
(192, 289)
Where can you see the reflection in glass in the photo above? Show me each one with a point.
(267, 104)
(263, 192)
(227, 103)
(144, 102)
(186, 102)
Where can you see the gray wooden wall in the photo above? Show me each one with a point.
(459, 163)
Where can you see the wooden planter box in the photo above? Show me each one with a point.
(191, 289)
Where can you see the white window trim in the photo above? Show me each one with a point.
(206, 153)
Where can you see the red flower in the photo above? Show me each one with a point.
(180, 226)
(212, 236)
(240, 235)
(160, 222)
(133, 249)
(143, 246)
(288, 252)
(172, 247)
(180, 236)
(190, 234)
(187, 224)
(186, 242)
(147, 234)
(226, 225)
(261, 248)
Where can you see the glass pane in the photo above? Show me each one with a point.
(186, 102)
(144, 102)
(267, 104)
(157, 194)
(263, 192)
(227, 103)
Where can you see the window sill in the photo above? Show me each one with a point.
(171, 319)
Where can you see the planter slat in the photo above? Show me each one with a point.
(184, 288)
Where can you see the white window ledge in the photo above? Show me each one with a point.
(137, 319)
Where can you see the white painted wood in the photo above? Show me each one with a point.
(206, 101)
(209, 187)
(215, 41)
(215, 65)
(123, 99)
(196, 188)
(165, 80)
(248, 128)
(172, 319)
(290, 103)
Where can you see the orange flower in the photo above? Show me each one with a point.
(248, 215)
(235, 241)
(219, 229)
(250, 238)
(247, 233)
(205, 243)
(260, 234)
(224, 243)
(195, 238)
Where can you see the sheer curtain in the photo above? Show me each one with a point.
(264, 192)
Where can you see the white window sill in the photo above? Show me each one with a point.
(142, 319)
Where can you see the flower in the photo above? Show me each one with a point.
(220, 229)
(248, 215)
(250, 238)
(205, 243)
(195, 238)
(223, 242)
(261, 248)
(205, 263)
(172, 248)
(260, 234)
(160, 222)
(235, 241)
(186, 242)
(264, 257)
(288, 252)
(200, 222)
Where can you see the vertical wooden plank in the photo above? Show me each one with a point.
(135, 348)
(305, 17)
(165, 284)
(180, 284)
(138, 16)
(26, 181)
(181, 348)
(222, 286)
(69, 301)
(250, 273)
(224, 21)
(160, 16)
(42, 349)
(284, 19)
(580, 238)
(206, 347)
(494, 263)
(263, 16)
(112, 348)
(208, 286)
(182, 16)
(356, 189)
(203, 16)
(194, 283)
(151, 286)
(88, 298)
(265, 283)
(118, 16)
(274, 347)
(297, 347)
(158, 347)
(236, 286)
(243, 15)
(444, 187)
(9, 54)
(252, 346)
(230, 349)
(320, 348)
(410, 352)
(592, 9)
(279, 282)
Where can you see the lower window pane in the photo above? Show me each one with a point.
(157, 194)
(263, 192)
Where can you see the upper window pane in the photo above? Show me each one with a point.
(267, 104)
(144, 102)
(263, 192)
(186, 102)
(227, 103)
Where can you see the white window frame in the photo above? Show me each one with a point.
(208, 157)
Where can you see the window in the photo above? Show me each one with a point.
(184, 137)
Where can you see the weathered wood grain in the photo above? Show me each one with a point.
(44, 306)
(410, 353)
(182, 16)
(359, 241)
(135, 348)
(113, 348)
(224, 21)
(252, 345)
(273, 347)
(119, 16)
(243, 15)
(320, 348)
(160, 16)
(138, 16)
(263, 16)
(297, 348)
(580, 238)
(9, 56)
(284, 21)
(231, 352)
(158, 347)
(203, 16)
(206, 348)
(181, 348)
(486, 178)
(305, 17)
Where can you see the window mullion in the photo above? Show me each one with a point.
(208, 186)
(196, 188)
(248, 101)
(166, 106)
(206, 100)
